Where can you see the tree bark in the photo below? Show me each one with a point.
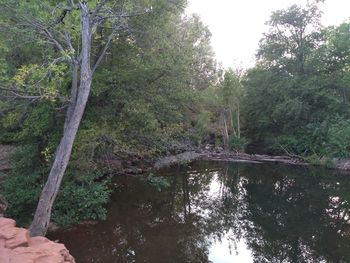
(225, 132)
(73, 93)
(74, 115)
(238, 122)
(231, 123)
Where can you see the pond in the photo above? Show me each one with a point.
(221, 212)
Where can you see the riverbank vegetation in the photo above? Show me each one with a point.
(158, 90)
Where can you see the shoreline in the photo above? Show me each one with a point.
(189, 156)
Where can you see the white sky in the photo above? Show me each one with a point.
(237, 25)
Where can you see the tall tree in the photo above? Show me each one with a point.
(293, 34)
(300, 83)
(231, 93)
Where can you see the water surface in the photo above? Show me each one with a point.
(221, 212)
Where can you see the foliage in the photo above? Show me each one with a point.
(22, 186)
(237, 144)
(156, 181)
(80, 198)
(145, 97)
(339, 139)
(158, 88)
(313, 159)
(297, 95)
(293, 34)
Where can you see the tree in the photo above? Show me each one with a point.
(334, 58)
(297, 94)
(231, 93)
(147, 105)
(72, 34)
(293, 35)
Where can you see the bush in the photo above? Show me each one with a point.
(22, 186)
(22, 194)
(314, 159)
(237, 144)
(314, 141)
(80, 198)
(307, 141)
(339, 139)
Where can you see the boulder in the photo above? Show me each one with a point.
(16, 246)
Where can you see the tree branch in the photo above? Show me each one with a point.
(102, 53)
(98, 9)
(50, 37)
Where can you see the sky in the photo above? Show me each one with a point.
(238, 25)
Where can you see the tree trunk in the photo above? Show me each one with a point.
(42, 215)
(231, 123)
(238, 123)
(73, 92)
(225, 132)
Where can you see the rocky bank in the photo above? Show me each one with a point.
(17, 247)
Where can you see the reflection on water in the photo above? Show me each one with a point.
(221, 212)
(222, 251)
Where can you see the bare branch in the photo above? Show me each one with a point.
(14, 93)
(17, 96)
(68, 41)
(102, 53)
(50, 37)
(14, 90)
(98, 9)
(114, 15)
(65, 11)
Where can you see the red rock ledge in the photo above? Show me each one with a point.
(17, 247)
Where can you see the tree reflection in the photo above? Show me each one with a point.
(283, 214)
(291, 218)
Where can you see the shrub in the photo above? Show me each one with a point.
(339, 139)
(237, 144)
(80, 198)
(22, 186)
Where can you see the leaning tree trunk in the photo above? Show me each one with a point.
(42, 215)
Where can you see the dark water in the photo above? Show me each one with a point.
(220, 212)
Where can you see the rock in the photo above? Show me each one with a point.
(133, 170)
(7, 233)
(218, 149)
(7, 222)
(2, 243)
(182, 158)
(23, 254)
(17, 247)
(37, 241)
(208, 147)
(341, 164)
(19, 240)
(115, 164)
(5, 255)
